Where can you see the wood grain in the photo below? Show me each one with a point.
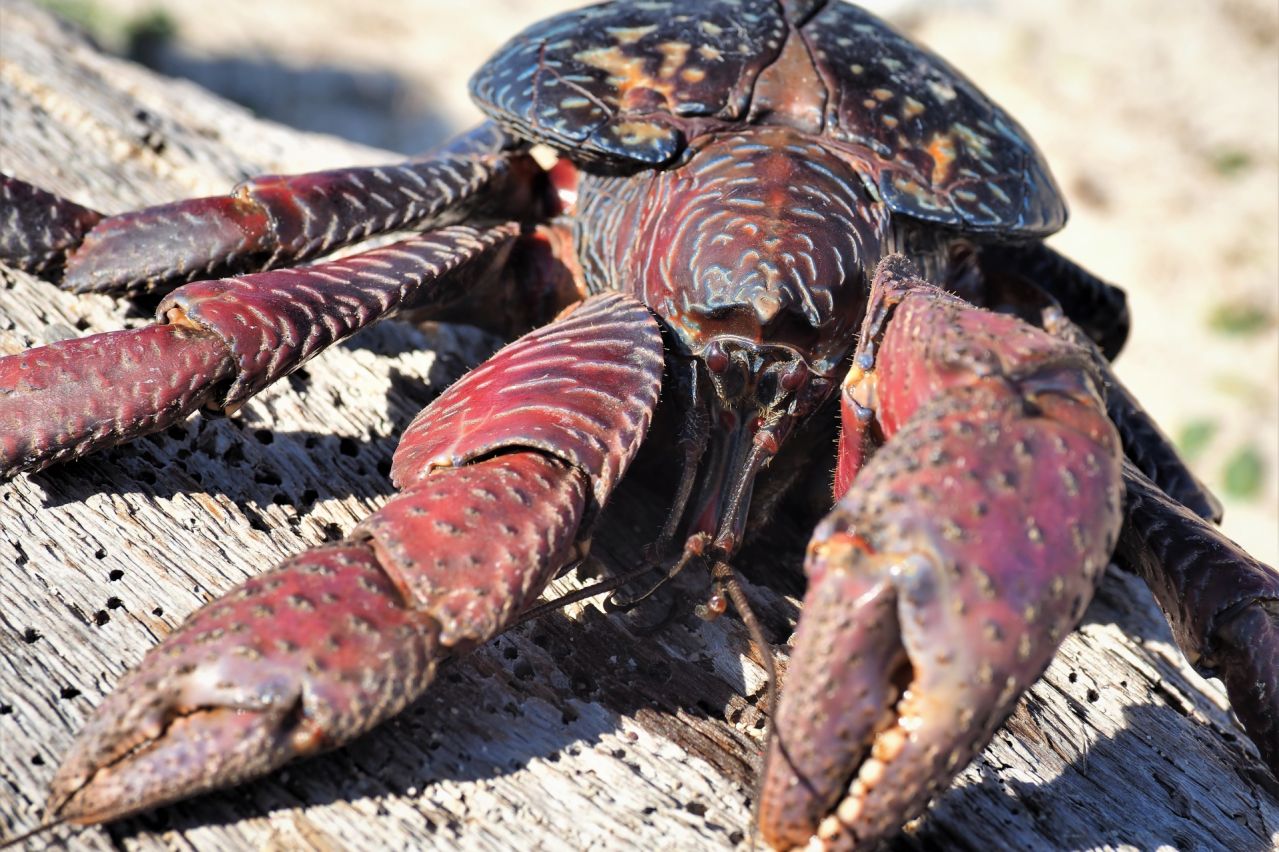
(571, 732)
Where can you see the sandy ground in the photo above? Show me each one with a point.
(1160, 118)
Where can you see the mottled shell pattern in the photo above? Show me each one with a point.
(628, 84)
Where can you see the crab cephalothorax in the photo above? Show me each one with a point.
(771, 210)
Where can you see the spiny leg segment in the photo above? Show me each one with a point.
(217, 342)
(341, 637)
(941, 584)
(265, 222)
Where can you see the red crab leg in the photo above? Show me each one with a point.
(1046, 289)
(38, 228)
(1100, 309)
(943, 581)
(1144, 443)
(1223, 605)
(222, 342)
(265, 222)
(341, 637)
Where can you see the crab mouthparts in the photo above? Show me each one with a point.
(739, 447)
(758, 394)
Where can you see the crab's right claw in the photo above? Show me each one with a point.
(942, 583)
(921, 628)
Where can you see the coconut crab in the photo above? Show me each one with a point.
(853, 391)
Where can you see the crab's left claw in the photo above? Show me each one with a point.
(294, 662)
(498, 477)
(943, 581)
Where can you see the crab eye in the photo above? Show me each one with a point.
(794, 375)
(717, 360)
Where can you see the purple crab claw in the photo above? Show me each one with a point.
(223, 700)
(341, 637)
(938, 588)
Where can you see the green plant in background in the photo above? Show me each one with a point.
(1230, 162)
(138, 36)
(1244, 473)
(1240, 318)
(1195, 436)
(83, 13)
(1242, 388)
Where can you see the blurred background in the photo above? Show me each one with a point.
(1160, 119)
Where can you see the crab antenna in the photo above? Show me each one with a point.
(583, 593)
(724, 574)
(693, 548)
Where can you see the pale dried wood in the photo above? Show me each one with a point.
(564, 734)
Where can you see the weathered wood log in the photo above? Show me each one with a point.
(566, 733)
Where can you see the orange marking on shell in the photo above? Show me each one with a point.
(674, 56)
(628, 72)
(942, 149)
(636, 132)
(625, 72)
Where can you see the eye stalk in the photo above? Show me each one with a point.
(773, 380)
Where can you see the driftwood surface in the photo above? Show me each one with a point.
(570, 732)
